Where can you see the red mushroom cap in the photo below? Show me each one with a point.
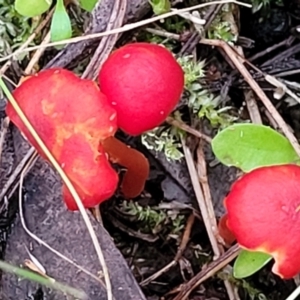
(92, 175)
(144, 83)
(264, 215)
(71, 116)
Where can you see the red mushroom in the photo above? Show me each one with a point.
(144, 83)
(72, 117)
(264, 215)
(136, 163)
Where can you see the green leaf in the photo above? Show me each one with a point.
(88, 5)
(249, 146)
(32, 8)
(61, 25)
(248, 263)
(160, 6)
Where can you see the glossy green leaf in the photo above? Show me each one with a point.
(61, 25)
(88, 5)
(32, 8)
(248, 263)
(249, 146)
(160, 6)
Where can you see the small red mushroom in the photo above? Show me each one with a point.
(136, 163)
(72, 117)
(264, 215)
(144, 83)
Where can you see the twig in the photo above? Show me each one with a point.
(200, 197)
(208, 272)
(3, 131)
(35, 58)
(180, 250)
(122, 29)
(203, 179)
(36, 238)
(164, 33)
(250, 98)
(188, 129)
(269, 50)
(108, 42)
(294, 294)
(236, 59)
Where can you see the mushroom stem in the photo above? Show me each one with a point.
(136, 163)
(225, 232)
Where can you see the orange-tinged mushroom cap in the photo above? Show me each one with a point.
(264, 215)
(144, 83)
(90, 171)
(71, 116)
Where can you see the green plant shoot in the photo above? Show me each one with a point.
(60, 25)
(88, 5)
(160, 6)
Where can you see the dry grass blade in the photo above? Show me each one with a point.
(36, 238)
(180, 250)
(67, 183)
(208, 272)
(200, 198)
(238, 62)
(43, 281)
(122, 29)
(294, 294)
(188, 129)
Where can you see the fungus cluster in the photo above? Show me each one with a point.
(263, 210)
(140, 85)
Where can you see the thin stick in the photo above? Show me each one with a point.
(36, 238)
(123, 28)
(236, 59)
(208, 272)
(180, 250)
(35, 58)
(188, 129)
(200, 197)
(294, 294)
(67, 182)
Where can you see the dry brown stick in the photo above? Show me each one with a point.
(260, 93)
(107, 42)
(200, 197)
(185, 237)
(188, 129)
(37, 55)
(202, 175)
(250, 98)
(180, 250)
(206, 273)
(122, 29)
(3, 130)
(203, 179)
